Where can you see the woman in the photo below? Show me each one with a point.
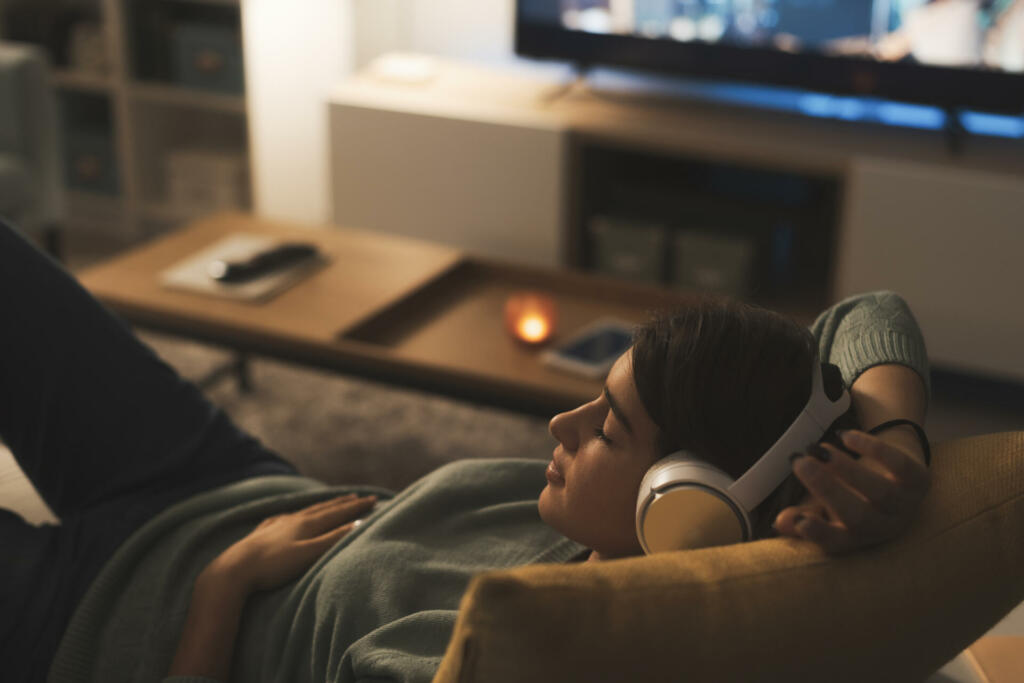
(187, 547)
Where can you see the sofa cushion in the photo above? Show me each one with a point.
(15, 186)
(775, 609)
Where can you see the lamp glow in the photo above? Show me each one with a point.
(530, 317)
(532, 328)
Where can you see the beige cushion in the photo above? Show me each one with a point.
(771, 610)
(998, 659)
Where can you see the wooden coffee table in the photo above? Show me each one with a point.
(386, 308)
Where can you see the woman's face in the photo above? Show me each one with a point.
(605, 448)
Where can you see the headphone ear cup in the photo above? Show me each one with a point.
(832, 378)
(688, 517)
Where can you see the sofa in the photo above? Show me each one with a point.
(772, 610)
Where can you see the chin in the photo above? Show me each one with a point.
(547, 509)
(543, 505)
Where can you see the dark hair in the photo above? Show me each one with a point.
(724, 380)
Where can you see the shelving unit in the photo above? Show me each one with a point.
(142, 108)
(696, 223)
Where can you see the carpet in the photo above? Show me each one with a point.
(343, 430)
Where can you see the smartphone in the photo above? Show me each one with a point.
(592, 351)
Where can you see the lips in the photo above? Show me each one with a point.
(554, 475)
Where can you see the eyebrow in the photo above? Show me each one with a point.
(620, 416)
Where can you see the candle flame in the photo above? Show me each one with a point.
(532, 327)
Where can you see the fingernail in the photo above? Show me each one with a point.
(819, 452)
(846, 449)
(845, 434)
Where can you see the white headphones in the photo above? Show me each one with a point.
(687, 503)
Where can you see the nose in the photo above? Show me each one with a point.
(561, 427)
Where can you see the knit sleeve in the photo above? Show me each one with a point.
(871, 329)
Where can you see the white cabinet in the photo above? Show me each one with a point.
(489, 178)
(950, 242)
(489, 162)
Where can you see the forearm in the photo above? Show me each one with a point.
(277, 551)
(208, 636)
(889, 392)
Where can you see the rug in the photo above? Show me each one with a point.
(344, 430)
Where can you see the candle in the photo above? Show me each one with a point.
(530, 317)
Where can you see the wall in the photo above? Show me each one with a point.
(293, 59)
(478, 30)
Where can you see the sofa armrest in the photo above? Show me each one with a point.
(776, 609)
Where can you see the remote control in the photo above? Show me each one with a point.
(262, 263)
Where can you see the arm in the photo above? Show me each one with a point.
(208, 637)
(888, 392)
(280, 549)
(877, 345)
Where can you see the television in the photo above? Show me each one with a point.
(955, 54)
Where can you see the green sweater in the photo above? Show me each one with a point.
(382, 603)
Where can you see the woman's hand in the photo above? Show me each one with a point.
(856, 503)
(275, 552)
(282, 547)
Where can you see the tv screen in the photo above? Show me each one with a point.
(951, 53)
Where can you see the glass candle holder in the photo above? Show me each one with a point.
(530, 317)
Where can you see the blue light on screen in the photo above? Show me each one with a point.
(824, 106)
(993, 124)
(872, 110)
(911, 115)
(865, 109)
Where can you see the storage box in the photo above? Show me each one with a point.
(200, 181)
(208, 56)
(716, 262)
(627, 248)
(90, 161)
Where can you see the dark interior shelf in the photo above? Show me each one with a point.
(760, 234)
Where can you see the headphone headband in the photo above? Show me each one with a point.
(685, 502)
(773, 467)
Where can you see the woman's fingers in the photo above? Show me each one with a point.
(832, 537)
(324, 519)
(868, 499)
(843, 503)
(786, 521)
(320, 544)
(883, 492)
(895, 462)
(330, 502)
(811, 522)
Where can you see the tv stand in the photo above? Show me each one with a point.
(486, 160)
(955, 134)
